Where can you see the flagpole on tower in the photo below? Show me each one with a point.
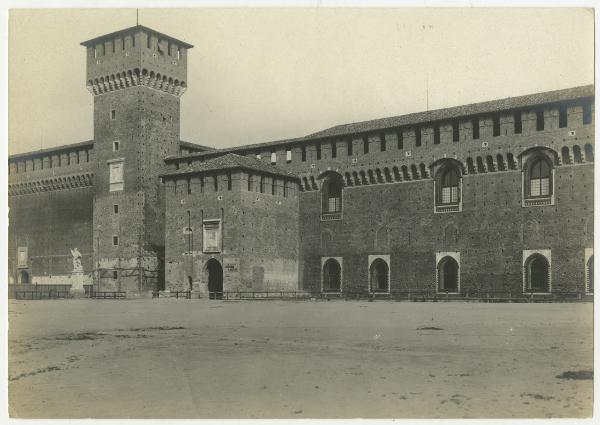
(137, 17)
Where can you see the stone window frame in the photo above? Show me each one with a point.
(212, 221)
(442, 166)
(386, 259)
(588, 252)
(117, 185)
(439, 256)
(537, 201)
(331, 177)
(527, 253)
(116, 145)
(115, 240)
(340, 261)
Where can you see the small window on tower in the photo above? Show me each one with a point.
(115, 274)
(116, 209)
(288, 155)
(113, 114)
(115, 240)
(116, 146)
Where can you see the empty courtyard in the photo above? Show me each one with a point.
(171, 358)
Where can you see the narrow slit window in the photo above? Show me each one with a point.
(116, 209)
(349, 144)
(539, 119)
(318, 151)
(518, 123)
(383, 143)
(496, 123)
(303, 153)
(455, 133)
(417, 137)
(475, 128)
(113, 114)
(587, 113)
(400, 140)
(115, 240)
(436, 135)
(366, 145)
(216, 183)
(562, 116)
(333, 150)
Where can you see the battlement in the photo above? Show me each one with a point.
(136, 56)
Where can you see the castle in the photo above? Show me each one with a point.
(495, 195)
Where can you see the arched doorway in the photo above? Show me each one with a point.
(448, 275)
(379, 274)
(215, 279)
(590, 274)
(332, 276)
(537, 269)
(24, 277)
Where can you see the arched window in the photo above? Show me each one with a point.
(447, 185)
(447, 275)
(331, 197)
(380, 276)
(332, 276)
(537, 272)
(539, 182)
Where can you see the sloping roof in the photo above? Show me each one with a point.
(230, 161)
(417, 118)
(458, 111)
(49, 150)
(93, 41)
(192, 145)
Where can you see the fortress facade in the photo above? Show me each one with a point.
(493, 196)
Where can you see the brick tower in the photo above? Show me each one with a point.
(136, 76)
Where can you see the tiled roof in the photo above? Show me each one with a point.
(458, 111)
(92, 42)
(49, 150)
(231, 161)
(481, 108)
(192, 145)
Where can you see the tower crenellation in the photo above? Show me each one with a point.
(137, 56)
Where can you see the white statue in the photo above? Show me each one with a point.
(77, 266)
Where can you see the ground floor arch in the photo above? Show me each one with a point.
(590, 274)
(332, 276)
(448, 275)
(537, 269)
(379, 276)
(24, 277)
(214, 276)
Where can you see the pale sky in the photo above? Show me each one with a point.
(256, 75)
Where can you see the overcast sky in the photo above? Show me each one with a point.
(257, 75)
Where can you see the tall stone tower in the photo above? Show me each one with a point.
(136, 76)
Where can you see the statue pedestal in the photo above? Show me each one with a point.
(77, 280)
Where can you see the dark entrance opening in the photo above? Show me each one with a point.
(332, 276)
(590, 276)
(448, 275)
(379, 276)
(215, 279)
(189, 283)
(537, 273)
(23, 277)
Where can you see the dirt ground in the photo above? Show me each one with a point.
(172, 358)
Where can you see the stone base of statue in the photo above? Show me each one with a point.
(77, 280)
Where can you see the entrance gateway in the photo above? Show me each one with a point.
(215, 279)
